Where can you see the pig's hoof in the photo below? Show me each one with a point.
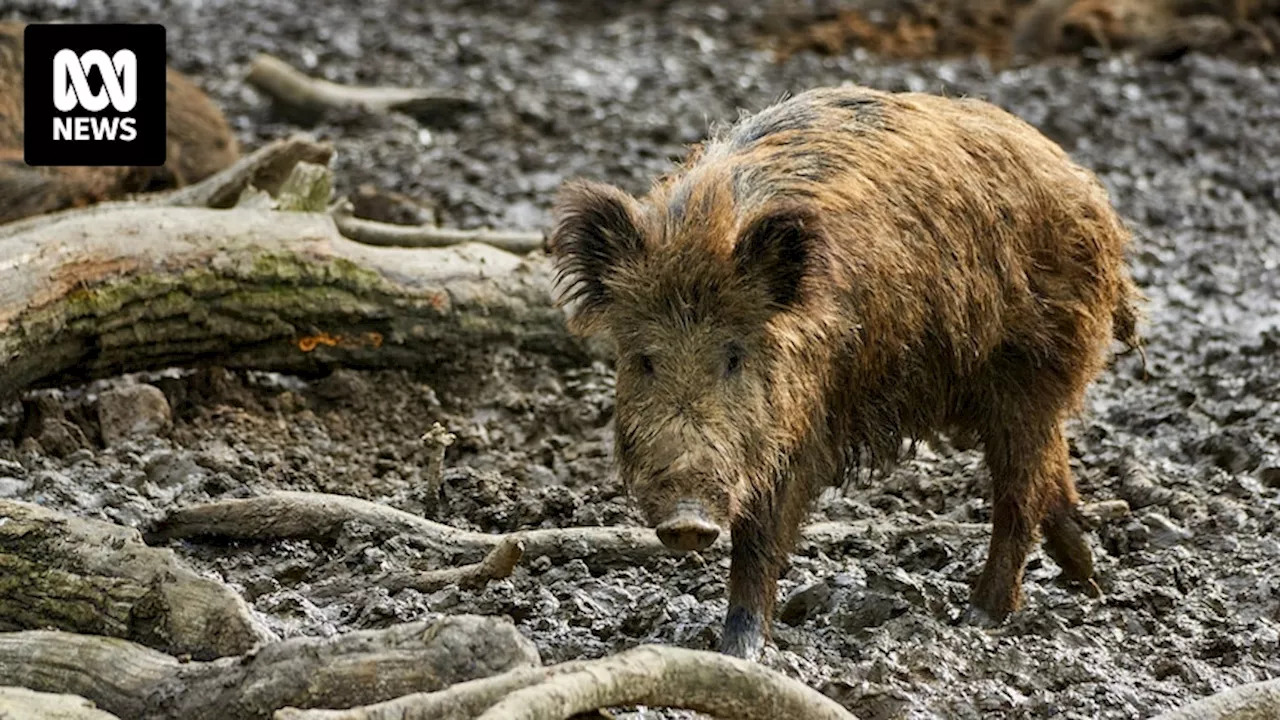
(743, 637)
(977, 617)
(743, 645)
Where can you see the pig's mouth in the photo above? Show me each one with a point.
(688, 528)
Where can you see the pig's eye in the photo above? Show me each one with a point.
(733, 360)
(646, 364)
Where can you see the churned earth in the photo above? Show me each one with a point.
(1190, 150)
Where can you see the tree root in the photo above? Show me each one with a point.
(321, 516)
(20, 703)
(499, 563)
(96, 577)
(1251, 701)
(650, 675)
(306, 99)
(372, 232)
(355, 668)
(97, 294)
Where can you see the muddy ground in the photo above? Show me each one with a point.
(1190, 149)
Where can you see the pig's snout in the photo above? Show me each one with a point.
(688, 529)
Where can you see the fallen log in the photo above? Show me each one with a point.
(20, 703)
(96, 577)
(1251, 701)
(651, 675)
(356, 668)
(143, 288)
(306, 100)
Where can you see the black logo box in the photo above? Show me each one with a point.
(42, 42)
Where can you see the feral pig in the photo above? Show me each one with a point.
(200, 143)
(824, 281)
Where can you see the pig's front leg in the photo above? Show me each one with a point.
(753, 587)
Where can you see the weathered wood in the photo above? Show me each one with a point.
(96, 577)
(137, 288)
(355, 668)
(371, 232)
(1251, 701)
(321, 516)
(306, 99)
(651, 675)
(22, 704)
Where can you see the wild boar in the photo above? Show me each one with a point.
(829, 280)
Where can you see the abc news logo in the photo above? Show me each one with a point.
(95, 95)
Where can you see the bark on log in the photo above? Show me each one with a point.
(306, 99)
(651, 675)
(22, 704)
(96, 577)
(356, 668)
(1252, 701)
(139, 288)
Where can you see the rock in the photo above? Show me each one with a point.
(1164, 532)
(132, 411)
(45, 420)
(806, 602)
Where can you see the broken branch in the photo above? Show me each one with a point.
(650, 675)
(96, 577)
(306, 99)
(499, 563)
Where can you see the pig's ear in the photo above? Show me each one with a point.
(780, 248)
(595, 232)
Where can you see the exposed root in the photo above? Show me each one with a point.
(306, 99)
(78, 575)
(651, 675)
(321, 516)
(372, 232)
(1252, 701)
(20, 703)
(355, 668)
(499, 563)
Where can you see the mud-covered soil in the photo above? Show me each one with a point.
(1190, 149)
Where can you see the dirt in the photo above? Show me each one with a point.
(1190, 150)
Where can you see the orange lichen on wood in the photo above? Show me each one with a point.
(311, 342)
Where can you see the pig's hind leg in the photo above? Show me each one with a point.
(1032, 489)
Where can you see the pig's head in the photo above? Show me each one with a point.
(696, 300)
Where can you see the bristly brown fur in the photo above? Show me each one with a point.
(842, 272)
